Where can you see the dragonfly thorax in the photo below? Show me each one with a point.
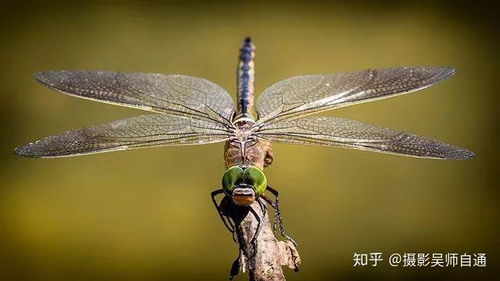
(242, 135)
(243, 148)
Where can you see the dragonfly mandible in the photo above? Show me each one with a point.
(190, 111)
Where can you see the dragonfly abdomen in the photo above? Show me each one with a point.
(246, 74)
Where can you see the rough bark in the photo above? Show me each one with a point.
(271, 254)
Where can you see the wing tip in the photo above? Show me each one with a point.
(26, 151)
(52, 77)
(448, 71)
(463, 154)
(43, 77)
(438, 73)
(40, 74)
(456, 153)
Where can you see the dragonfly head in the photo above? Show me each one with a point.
(243, 184)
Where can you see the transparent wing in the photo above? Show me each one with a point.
(329, 131)
(176, 94)
(140, 131)
(302, 95)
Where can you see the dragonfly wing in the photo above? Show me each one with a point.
(302, 95)
(329, 131)
(136, 132)
(176, 94)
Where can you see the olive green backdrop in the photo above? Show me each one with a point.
(146, 214)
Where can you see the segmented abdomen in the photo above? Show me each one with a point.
(246, 75)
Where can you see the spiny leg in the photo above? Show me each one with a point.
(227, 222)
(277, 217)
(275, 205)
(262, 206)
(235, 268)
(274, 192)
(257, 231)
(275, 220)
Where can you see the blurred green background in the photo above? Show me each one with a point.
(146, 214)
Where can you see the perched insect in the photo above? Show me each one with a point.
(189, 110)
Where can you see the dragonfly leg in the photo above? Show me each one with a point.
(275, 220)
(227, 222)
(235, 268)
(276, 207)
(257, 231)
(262, 206)
(274, 192)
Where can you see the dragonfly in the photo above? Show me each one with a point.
(187, 110)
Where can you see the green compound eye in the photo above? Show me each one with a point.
(256, 178)
(231, 176)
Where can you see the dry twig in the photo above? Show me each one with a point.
(266, 263)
